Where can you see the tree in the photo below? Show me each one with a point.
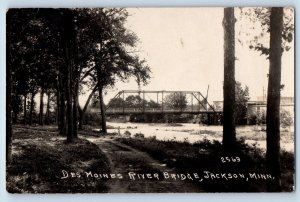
(152, 104)
(68, 42)
(110, 55)
(279, 24)
(8, 87)
(176, 101)
(116, 102)
(141, 72)
(273, 97)
(134, 101)
(241, 99)
(229, 134)
(62, 50)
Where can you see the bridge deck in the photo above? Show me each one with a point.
(113, 111)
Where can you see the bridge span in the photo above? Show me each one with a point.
(127, 102)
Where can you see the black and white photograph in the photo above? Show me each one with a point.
(150, 100)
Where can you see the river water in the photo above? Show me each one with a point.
(194, 132)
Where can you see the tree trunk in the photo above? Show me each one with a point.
(102, 109)
(14, 117)
(61, 104)
(24, 108)
(31, 107)
(62, 115)
(68, 40)
(48, 108)
(8, 88)
(273, 100)
(81, 117)
(75, 112)
(57, 107)
(229, 134)
(69, 105)
(41, 114)
(69, 109)
(83, 111)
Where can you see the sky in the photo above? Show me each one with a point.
(184, 49)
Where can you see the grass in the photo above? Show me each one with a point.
(39, 156)
(206, 156)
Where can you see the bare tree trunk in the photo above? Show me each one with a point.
(229, 133)
(48, 108)
(62, 119)
(14, 117)
(75, 113)
(57, 108)
(8, 88)
(83, 111)
(41, 114)
(273, 100)
(102, 109)
(69, 109)
(81, 117)
(68, 38)
(31, 107)
(25, 108)
(62, 102)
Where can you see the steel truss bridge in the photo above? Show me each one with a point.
(196, 103)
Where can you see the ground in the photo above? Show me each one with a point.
(125, 159)
(44, 163)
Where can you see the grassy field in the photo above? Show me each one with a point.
(40, 155)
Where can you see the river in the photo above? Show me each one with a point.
(192, 133)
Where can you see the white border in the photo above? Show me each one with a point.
(245, 197)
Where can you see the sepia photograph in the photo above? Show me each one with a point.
(150, 100)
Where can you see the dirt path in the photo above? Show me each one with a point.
(125, 159)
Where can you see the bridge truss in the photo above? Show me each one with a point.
(196, 103)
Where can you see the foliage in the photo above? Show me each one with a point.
(116, 102)
(176, 101)
(259, 21)
(286, 119)
(34, 54)
(241, 99)
(257, 117)
(108, 46)
(139, 135)
(134, 101)
(103, 52)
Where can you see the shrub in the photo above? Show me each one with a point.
(127, 134)
(139, 135)
(152, 138)
(286, 119)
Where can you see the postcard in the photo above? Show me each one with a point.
(150, 100)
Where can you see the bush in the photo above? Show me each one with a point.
(139, 135)
(152, 138)
(127, 134)
(286, 119)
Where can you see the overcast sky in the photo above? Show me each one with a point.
(184, 49)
